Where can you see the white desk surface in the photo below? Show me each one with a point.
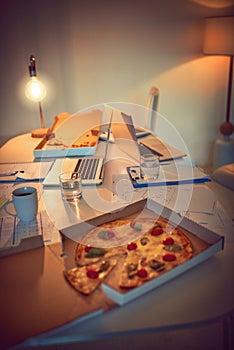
(203, 294)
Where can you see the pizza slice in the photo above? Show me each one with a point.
(154, 253)
(86, 279)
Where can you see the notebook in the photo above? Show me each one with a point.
(90, 168)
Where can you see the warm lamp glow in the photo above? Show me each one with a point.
(218, 4)
(219, 34)
(35, 90)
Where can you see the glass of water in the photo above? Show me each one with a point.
(71, 187)
(150, 166)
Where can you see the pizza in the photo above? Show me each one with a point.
(86, 279)
(145, 248)
(88, 139)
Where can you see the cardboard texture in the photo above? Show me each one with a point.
(71, 136)
(36, 298)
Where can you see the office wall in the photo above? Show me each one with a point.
(90, 52)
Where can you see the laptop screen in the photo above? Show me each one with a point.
(124, 134)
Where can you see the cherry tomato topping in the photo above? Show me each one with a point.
(169, 257)
(157, 231)
(87, 248)
(92, 274)
(168, 241)
(142, 273)
(132, 246)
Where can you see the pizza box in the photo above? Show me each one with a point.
(75, 135)
(205, 244)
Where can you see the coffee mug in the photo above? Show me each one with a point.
(25, 202)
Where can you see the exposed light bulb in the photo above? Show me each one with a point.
(35, 90)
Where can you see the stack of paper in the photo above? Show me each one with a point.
(171, 174)
(11, 172)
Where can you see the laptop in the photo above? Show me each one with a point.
(90, 168)
(124, 134)
(125, 137)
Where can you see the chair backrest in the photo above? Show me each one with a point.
(151, 105)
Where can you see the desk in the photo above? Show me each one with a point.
(34, 286)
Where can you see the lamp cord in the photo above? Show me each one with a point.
(41, 115)
(229, 89)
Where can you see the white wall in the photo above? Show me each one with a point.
(90, 52)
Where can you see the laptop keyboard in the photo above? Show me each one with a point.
(87, 167)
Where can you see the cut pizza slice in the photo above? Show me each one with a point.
(151, 255)
(86, 279)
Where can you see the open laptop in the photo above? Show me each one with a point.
(90, 168)
(125, 137)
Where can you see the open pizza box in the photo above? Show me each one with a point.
(205, 243)
(71, 135)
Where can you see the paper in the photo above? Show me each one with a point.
(203, 200)
(12, 172)
(3, 200)
(167, 152)
(13, 231)
(169, 174)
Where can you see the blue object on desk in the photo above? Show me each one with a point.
(138, 181)
(142, 133)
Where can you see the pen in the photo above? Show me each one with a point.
(12, 173)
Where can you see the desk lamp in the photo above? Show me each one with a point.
(36, 91)
(219, 40)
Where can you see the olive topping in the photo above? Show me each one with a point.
(172, 248)
(144, 240)
(157, 265)
(104, 266)
(131, 270)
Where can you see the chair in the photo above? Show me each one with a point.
(151, 105)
